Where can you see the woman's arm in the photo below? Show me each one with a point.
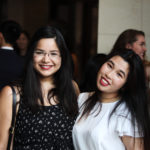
(76, 87)
(5, 116)
(132, 143)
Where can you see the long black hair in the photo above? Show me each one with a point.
(88, 81)
(62, 79)
(133, 94)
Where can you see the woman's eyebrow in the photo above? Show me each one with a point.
(38, 49)
(110, 61)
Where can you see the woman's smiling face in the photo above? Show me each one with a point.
(112, 76)
(47, 58)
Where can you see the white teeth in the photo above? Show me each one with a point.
(45, 66)
(105, 81)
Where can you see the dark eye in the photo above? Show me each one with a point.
(54, 53)
(142, 44)
(39, 52)
(109, 65)
(119, 74)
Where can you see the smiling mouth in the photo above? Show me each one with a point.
(46, 67)
(104, 82)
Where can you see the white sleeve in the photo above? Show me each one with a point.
(125, 127)
(82, 98)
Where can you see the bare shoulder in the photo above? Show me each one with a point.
(6, 94)
(5, 103)
(74, 83)
(6, 100)
(76, 87)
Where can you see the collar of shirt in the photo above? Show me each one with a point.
(7, 48)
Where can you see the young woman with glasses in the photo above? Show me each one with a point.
(46, 97)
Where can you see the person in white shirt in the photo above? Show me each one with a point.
(115, 116)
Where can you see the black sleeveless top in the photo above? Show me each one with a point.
(48, 129)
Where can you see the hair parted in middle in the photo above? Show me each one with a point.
(62, 79)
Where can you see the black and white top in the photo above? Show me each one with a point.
(48, 129)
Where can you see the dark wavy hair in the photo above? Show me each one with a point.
(128, 36)
(62, 79)
(11, 31)
(133, 93)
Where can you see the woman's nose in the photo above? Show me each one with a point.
(46, 58)
(109, 74)
(145, 49)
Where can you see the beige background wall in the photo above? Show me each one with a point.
(116, 16)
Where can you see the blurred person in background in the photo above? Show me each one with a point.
(23, 42)
(132, 39)
(11, 65)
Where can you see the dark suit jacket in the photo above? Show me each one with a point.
(11, 66)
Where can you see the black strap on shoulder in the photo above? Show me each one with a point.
(11, 130)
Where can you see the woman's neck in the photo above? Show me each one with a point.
(106, 98)
(46, 86)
